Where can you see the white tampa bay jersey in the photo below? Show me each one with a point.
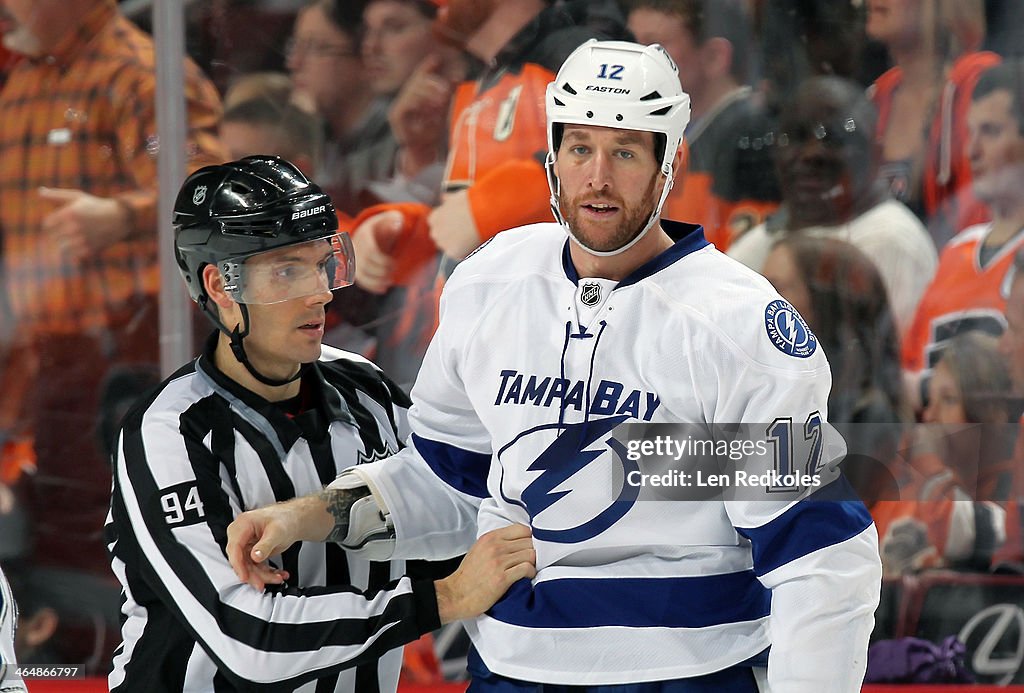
(10, 681)
(518, 416)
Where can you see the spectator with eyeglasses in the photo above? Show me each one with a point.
(328, 77)
(416, 74)
(827, 162)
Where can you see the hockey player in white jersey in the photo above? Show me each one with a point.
(547, 346)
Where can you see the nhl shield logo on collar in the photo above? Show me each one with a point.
(198, 195)
(590, 294)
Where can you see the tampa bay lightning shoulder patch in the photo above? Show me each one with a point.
(788, 331)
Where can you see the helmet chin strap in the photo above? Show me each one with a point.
(238, 349)
(556, 188)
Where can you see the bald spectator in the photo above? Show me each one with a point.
(272, 86)
(262, 125)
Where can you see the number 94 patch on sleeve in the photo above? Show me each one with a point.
(181, 505)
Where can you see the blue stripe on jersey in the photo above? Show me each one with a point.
(825, 518)
(463, 470)
(675, 602)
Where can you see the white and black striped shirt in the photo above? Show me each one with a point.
(192, 456)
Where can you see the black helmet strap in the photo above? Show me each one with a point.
(236, 336)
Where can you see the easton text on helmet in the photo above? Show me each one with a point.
(610, 90)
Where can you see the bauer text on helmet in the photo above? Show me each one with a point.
(238, 215)
(271, 234)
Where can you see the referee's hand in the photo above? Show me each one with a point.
(497, 559)
(256, 535)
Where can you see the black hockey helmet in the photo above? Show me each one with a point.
(241, 208)
(226, 214)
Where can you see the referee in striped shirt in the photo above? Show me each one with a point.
(266, 413)
(10, 679)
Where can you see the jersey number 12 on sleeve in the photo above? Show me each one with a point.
(780, 433)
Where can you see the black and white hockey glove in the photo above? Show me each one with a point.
(371, 532)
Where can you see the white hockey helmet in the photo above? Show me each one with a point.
(618, 84)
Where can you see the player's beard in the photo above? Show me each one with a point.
(634, 218)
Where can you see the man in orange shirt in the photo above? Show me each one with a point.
(970, 286)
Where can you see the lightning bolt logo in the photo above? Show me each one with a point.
(787, 330)
(564, 457)
(790, 325)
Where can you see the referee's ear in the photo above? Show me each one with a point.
(213, 283)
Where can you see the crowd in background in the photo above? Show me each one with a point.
(866, 156)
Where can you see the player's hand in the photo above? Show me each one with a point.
(256, 535)
(452, 227)
(82, 223)
(373, 242)
(497, 559)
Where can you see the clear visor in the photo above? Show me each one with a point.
(294, 271)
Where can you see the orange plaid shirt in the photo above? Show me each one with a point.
(84, 117)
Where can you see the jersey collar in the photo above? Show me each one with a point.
(325, 398)
(688, 238)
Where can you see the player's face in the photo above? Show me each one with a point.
(781, 270)
(1011, 344)
(996, 148)
(608, 184)
(945, 402)
(667, 28)
(397, 37)
(285, 334)
(323, 61)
